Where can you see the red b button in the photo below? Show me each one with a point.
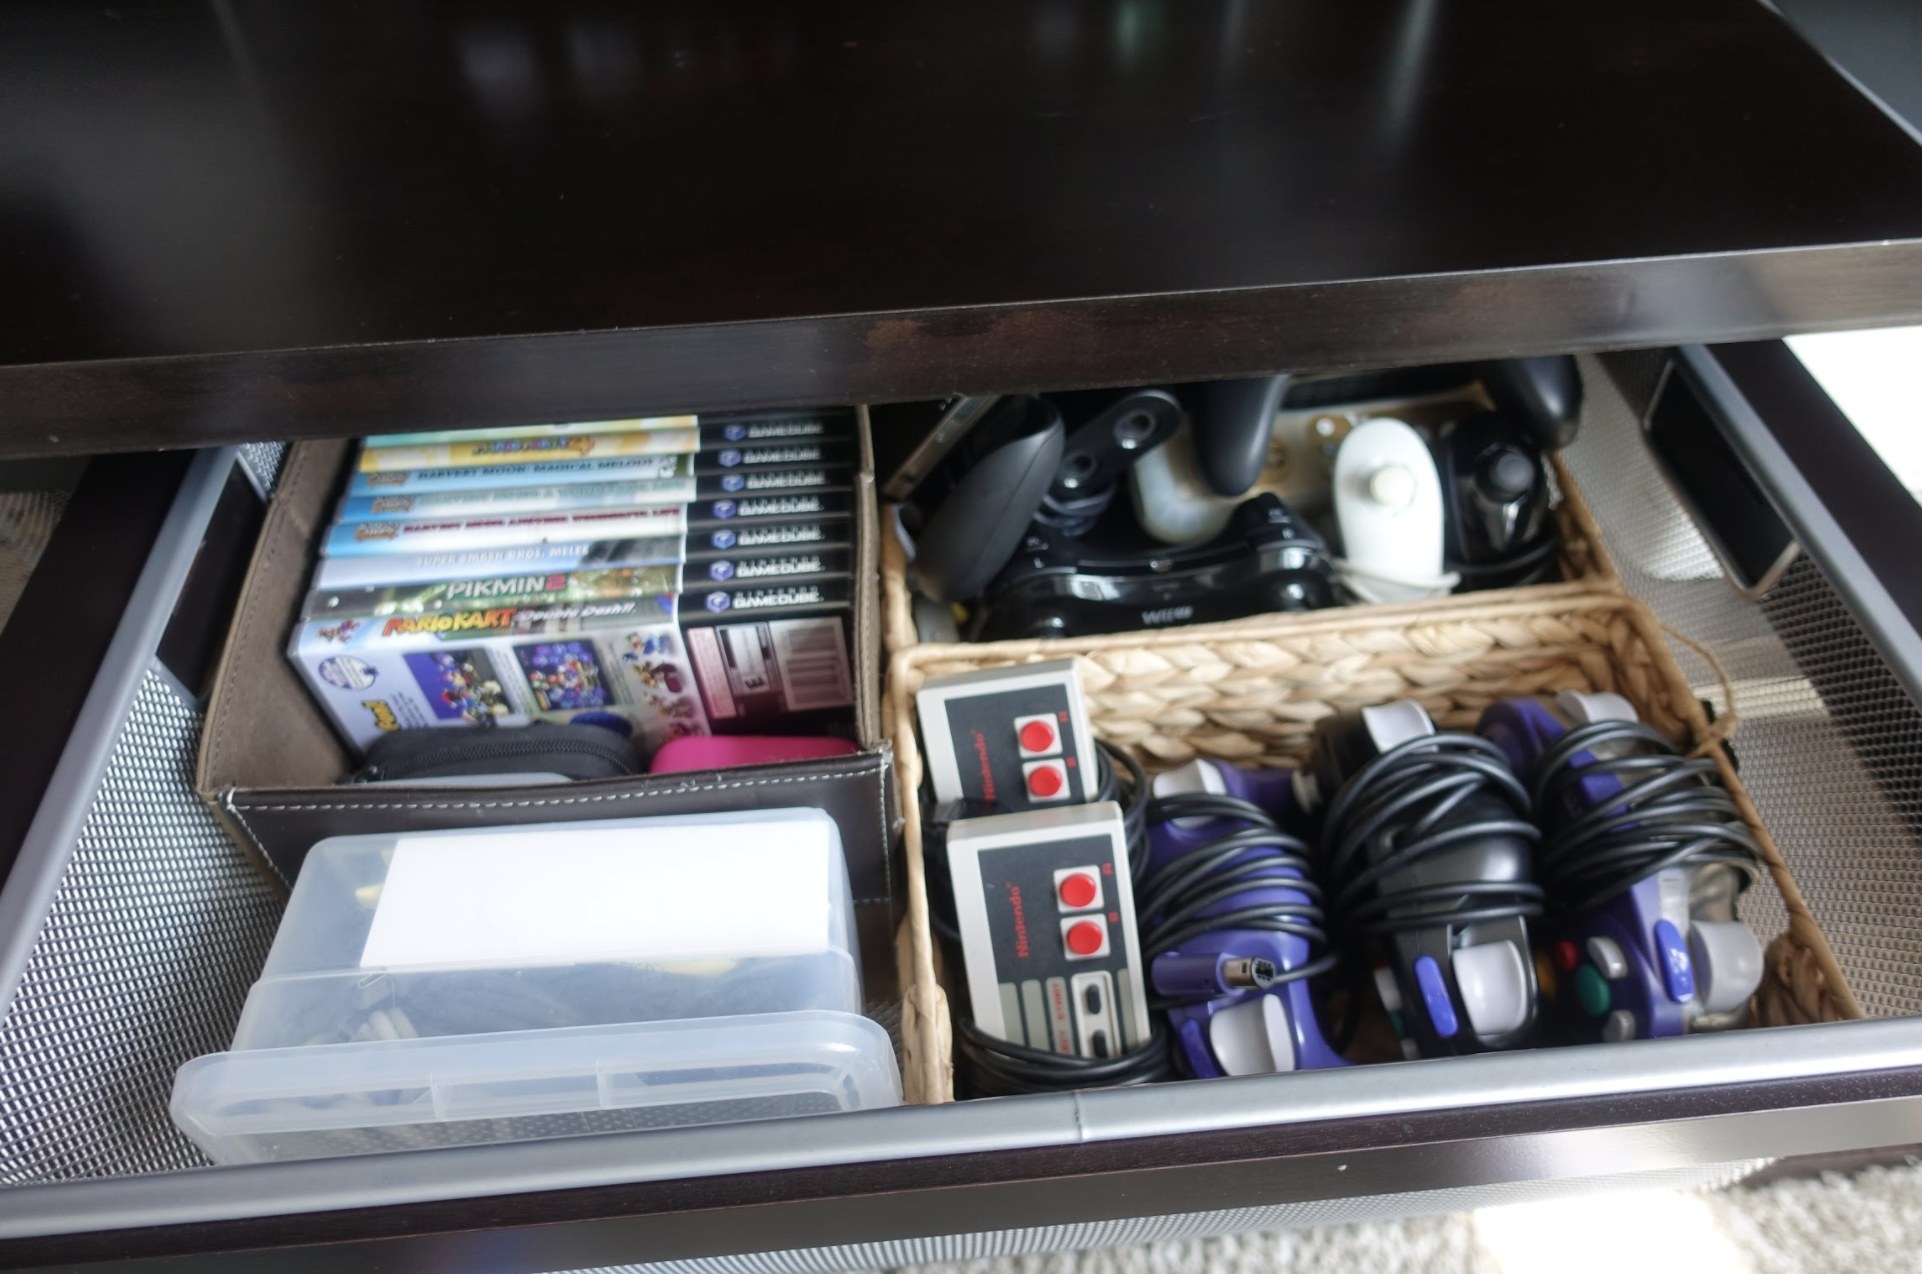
(1085, 938)
(1046, 781)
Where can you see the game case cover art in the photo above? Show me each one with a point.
(510, 619)
(528, 559)
(558, 497)
(434, 437)
(460, 685)
(659, 672)
(361, 539)
(562, 676)
(505, 666)
(714, 432)
(490, 452)
(548, 498)
(614, 583)
(533, 473)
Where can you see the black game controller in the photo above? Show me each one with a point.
(1057, 586)
(1022, 464)
(1005, 471)
(1426, 851)
(1116, 432)
(1543, 393)
(1497, 530)
(1232, 421)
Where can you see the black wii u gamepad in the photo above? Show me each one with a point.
(1058, 586)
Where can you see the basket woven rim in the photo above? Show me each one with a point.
(1400, 615)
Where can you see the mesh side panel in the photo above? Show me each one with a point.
(1191, 1225)
(263, 461)
(158, 927)
(27, 519)
(1830, 747)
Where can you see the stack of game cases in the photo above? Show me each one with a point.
(686, 575)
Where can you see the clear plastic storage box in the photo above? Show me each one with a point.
(453, 988)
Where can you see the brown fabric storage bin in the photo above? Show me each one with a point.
(270, 760)
(1251, 691)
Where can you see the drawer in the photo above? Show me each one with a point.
(134, 925)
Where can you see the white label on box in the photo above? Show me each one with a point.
(700, 891)
(814, 663)
(704, 648)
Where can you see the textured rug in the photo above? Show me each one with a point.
(1870, 1223)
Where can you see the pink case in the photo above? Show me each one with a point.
(723, 752)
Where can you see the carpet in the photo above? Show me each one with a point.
(1869, 1222)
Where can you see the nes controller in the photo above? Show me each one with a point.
(1047, 919)
(1016, 738)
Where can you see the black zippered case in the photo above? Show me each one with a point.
(568, 751)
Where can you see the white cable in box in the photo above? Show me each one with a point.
(450, 988)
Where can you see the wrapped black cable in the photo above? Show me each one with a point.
(1669, 813)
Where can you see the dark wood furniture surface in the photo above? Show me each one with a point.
(245, 220)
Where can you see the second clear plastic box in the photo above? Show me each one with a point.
(461, 987)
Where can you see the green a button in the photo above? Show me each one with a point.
(1591, 991)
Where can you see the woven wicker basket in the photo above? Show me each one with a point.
(1251, 691)
(1585, 568)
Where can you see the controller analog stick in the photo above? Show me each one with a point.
(1728, 963)
(1506, 475)
(1392, 486)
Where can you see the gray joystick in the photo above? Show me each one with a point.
(1507, 474)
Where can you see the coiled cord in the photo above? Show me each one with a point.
(1367, 584)
(1175, 901)
(1411, 798)
(995, 1068)
(1535, 565)
(1670, 813)
(1074, 514)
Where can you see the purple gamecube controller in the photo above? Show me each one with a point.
(1652, 958)
(1242, 1002)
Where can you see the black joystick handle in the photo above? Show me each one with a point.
(1102, 448)
(1232, 421)
(979, 525)
(1546, 393)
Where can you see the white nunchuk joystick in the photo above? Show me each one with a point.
(1388, 504)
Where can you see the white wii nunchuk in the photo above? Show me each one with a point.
(1388, 505)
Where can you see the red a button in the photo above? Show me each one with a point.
(1037, 736)
(1078, 890)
